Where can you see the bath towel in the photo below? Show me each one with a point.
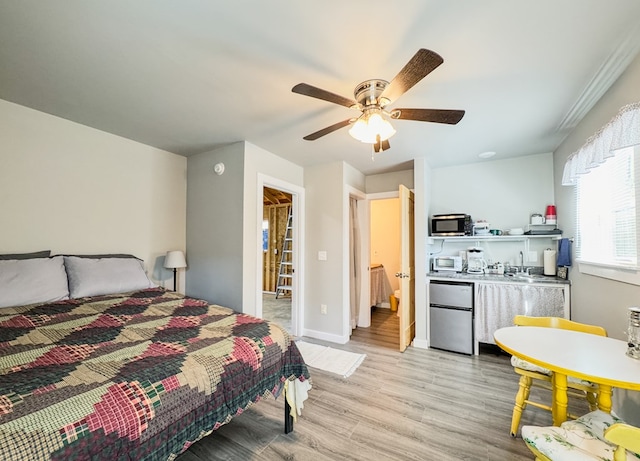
(564, 252)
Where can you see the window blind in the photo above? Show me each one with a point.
(607, 221)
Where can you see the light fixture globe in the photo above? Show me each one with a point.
(381, 127)
(371, 127)
(359, 130)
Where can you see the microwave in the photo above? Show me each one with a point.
(451, 224)
(446, 263)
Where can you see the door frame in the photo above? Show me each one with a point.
(297, 281)
(363, 214)
(364, 318)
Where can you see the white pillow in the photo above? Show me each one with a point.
(29, 281)
(103, 276)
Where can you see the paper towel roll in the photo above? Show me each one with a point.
(549, 262)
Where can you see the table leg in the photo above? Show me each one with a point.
(560, 399)
(604, 398)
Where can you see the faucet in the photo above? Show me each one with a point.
(521, 268)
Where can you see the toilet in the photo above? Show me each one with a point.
(394, 300)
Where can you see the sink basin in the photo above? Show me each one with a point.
(530, 278)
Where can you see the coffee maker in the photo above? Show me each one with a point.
(475, 261)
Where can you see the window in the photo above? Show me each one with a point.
(265, 235)
(607, 222)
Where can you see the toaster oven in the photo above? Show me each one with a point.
(446, 263)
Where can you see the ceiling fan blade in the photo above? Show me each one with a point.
(327, 130)
(314, 92)
(419, 66)
(450, 117)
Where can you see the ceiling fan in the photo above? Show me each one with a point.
(373, 96)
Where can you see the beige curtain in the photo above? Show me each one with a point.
(354, 261)
(497, 304)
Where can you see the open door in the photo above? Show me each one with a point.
(407, 269)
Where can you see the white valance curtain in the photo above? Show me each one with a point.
(622, 131)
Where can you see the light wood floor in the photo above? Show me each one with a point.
(416, 405)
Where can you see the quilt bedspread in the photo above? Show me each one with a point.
(135, 376)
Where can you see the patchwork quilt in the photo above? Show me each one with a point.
(135, 376)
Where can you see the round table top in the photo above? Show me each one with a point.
(598, 359)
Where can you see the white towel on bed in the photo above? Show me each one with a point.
(296, 393)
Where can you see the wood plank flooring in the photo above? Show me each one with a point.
(416, 405)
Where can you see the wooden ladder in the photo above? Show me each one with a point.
(285, 272)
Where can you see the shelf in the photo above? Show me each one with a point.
(495, 238)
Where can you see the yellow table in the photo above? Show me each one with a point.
(598, 359)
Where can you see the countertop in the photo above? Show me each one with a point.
(465, 277)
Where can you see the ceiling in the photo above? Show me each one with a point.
(188, 76)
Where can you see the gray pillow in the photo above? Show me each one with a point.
(106, 255)
(28, 281)
(36, 254)
(103, 276)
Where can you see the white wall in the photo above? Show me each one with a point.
(387, 182)
(597, 300)
(324, 226)
(74, 189)
(222, 222)
(422, 196)
(259, 161)
(503, 192)
(214, 226)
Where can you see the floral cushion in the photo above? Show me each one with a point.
(578, 440)
(517, 362)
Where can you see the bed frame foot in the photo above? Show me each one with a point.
(288, 419)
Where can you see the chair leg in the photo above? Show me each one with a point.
(521, 398)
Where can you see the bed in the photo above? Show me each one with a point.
(139, 375)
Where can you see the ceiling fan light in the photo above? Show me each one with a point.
(380, 126)
(368, 127)
(386, 130)
(359, 130)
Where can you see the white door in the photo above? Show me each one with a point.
(407, 306)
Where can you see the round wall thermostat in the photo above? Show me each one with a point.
(218, 168)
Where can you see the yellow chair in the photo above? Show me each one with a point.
(533, 375)
(596, 436)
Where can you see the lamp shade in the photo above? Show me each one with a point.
(175, 260)
(371, 125)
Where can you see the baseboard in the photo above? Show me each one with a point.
(325, 336)
(420, 343)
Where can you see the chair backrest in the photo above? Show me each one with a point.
(558, 322)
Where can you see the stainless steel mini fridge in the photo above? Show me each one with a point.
(451, 316)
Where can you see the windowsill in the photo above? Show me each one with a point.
(631, 275)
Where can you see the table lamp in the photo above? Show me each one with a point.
(175, 260)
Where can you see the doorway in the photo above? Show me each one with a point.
(384, 263)
(280, 229)
(390, 249)
(277, 245)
